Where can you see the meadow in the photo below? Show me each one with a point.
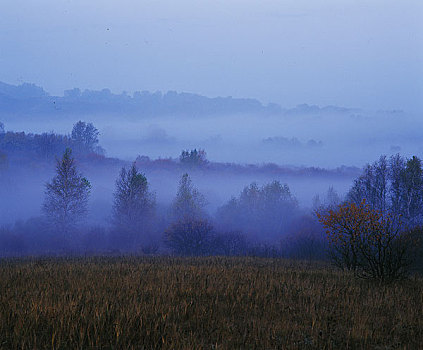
(201, 303)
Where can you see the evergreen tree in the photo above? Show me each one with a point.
(66, 196)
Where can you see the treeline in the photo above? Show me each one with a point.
(386, 201)
(83, 140)
(250, 224)
(21, 147)
(374, 231)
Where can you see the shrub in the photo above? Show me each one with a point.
(229, 244)
(189, 237)
(368, 242)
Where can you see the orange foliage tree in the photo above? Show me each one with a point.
(370, 243)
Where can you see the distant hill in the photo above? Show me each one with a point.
(30, 98)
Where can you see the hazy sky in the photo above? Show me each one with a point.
(357, 53)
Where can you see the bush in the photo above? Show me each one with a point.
(189, 237)
(229, 244)
(368, 242)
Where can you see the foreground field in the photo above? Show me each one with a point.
(201, 303)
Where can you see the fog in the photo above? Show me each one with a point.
(319, 139)
(289, 100)
(341, 139)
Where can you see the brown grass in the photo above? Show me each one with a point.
(201, 303)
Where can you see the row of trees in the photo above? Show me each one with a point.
(193, 157)
(66, 200)
(83, 140)
(265, 212)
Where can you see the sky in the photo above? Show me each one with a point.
(364, 54)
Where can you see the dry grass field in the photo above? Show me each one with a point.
(201, 303)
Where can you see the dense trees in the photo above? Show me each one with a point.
(134, 204)
(66, 196)
(82, 141)
(392, 186)
(193, 157)
(265, 212)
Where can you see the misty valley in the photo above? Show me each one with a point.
(211, 175)
(184, 201)
(221, 239)
(225, 191)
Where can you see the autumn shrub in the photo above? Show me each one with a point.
(372, 244)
